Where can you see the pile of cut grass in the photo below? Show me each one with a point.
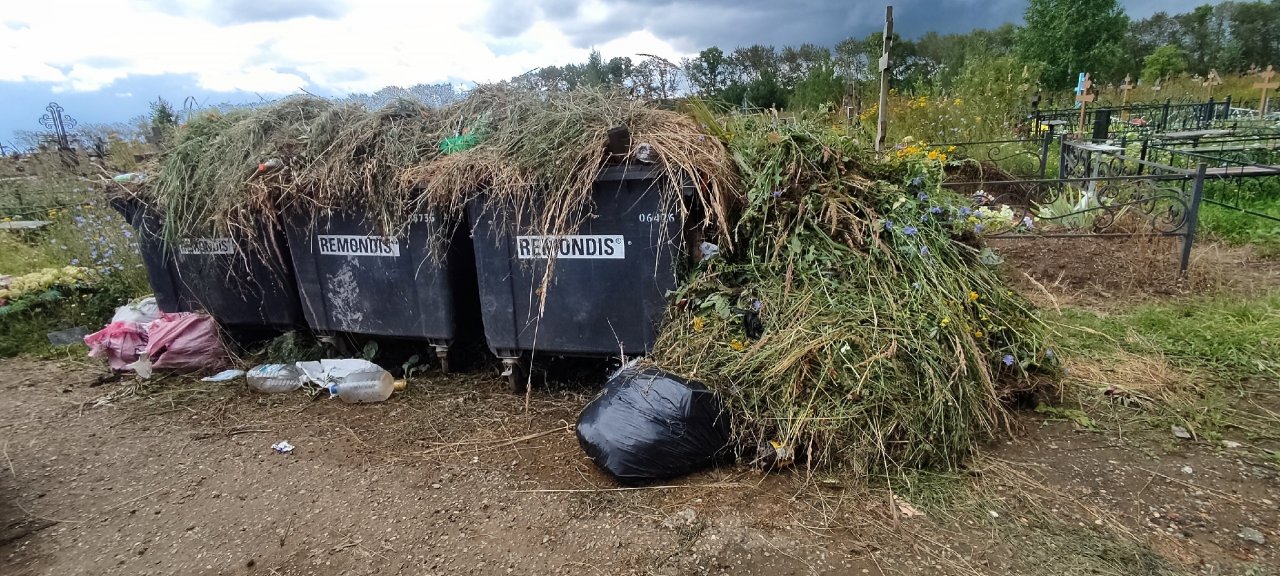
(887, 344)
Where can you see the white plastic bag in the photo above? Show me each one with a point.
(141, 312)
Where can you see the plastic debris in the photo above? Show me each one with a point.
(274, 378)
(73, 335)
(1180, 432)
(645, 153)
(223, 376)
(185, 342)
(351, 380)
(648, 424)
(282, 447)
(1231, 444)
(708, 250)
(130, 178)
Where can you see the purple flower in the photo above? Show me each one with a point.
(1028, 222)
(777, 193)
(757, 305)
(935, 209)
(1008, 360)
(888, 224)
(79, 221)
(917, 181)
(1049, 353)
(924, 217)
(977, 228)
(965, 211)
(127, 234)
(75, 261)
(910, 230)
(922, 197)
(924, 250)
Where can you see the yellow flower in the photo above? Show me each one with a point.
(946, 320)
(977, 333)
(951, 148)
(698, 324)
(933, 155)
(942, 157)
(973, 296)
(738, 345)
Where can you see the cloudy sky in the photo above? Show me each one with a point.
(103, 60)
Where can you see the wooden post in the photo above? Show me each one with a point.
(1084, 98)
(1266, 84)
(882, 124)
(1124, 95)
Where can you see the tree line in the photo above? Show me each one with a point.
(1059, 39)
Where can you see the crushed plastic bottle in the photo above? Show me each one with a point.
(274, 378)
(352, 381)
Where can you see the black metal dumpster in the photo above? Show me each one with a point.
(243, 285)
(610, 279)
(353, 279)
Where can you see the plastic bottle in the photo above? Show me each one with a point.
(363, 386)
(274, 378)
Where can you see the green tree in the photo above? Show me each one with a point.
(163, 115)
(1072, 36)
(819, 86)
(708, 72)
(1165, 61)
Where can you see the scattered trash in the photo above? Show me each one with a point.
(1187, 470)
(1253, 535)
(708, 250)
(645, 154)
(185, 342)
(223, 376)
(1180, 432)
(67, 337)
(274, 378)
(143, 312)
(282, 447)
(774, 455)
(142, 367)
(905, 508)
(993, 513)
(1231, 444)
(351, 380)
(121, 343)
(270, 165)
(130, 178)
(649, 424)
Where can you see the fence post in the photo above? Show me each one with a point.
(1193, 218)
(1062, 157)
(1226, 108)
(1164, 119)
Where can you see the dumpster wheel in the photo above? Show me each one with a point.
(442, 354)
(516, 374)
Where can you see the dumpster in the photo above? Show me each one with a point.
(241, 285)
(610, 279)
(353, 279)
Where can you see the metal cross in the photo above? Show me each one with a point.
(58, 122)
(1266, 84)
(1084, 98)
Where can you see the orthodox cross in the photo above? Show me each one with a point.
(1084, 98)
(55, 120)
(1266, 84)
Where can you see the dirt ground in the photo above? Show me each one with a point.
(456, 476)
(452, 477)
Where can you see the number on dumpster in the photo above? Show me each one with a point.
(657, 217)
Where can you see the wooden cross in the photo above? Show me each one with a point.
(1266, 84)
(1156, 87)
(1253, 70)
(1212, 80)
(1084, 98)
(1124, 90)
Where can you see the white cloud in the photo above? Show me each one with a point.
(86, 46)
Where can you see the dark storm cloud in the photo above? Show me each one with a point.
(691, 25)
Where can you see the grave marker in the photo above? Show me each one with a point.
(1084, 98)
(1266, 84)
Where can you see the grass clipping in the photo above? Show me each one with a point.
(852, 324)
(536, 156)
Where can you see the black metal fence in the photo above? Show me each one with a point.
(1104, 122)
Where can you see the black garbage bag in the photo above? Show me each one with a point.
(649, 424)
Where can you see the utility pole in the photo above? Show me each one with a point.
(882, 124)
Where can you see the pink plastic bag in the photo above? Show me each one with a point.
(120, 342)
(185, 342)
